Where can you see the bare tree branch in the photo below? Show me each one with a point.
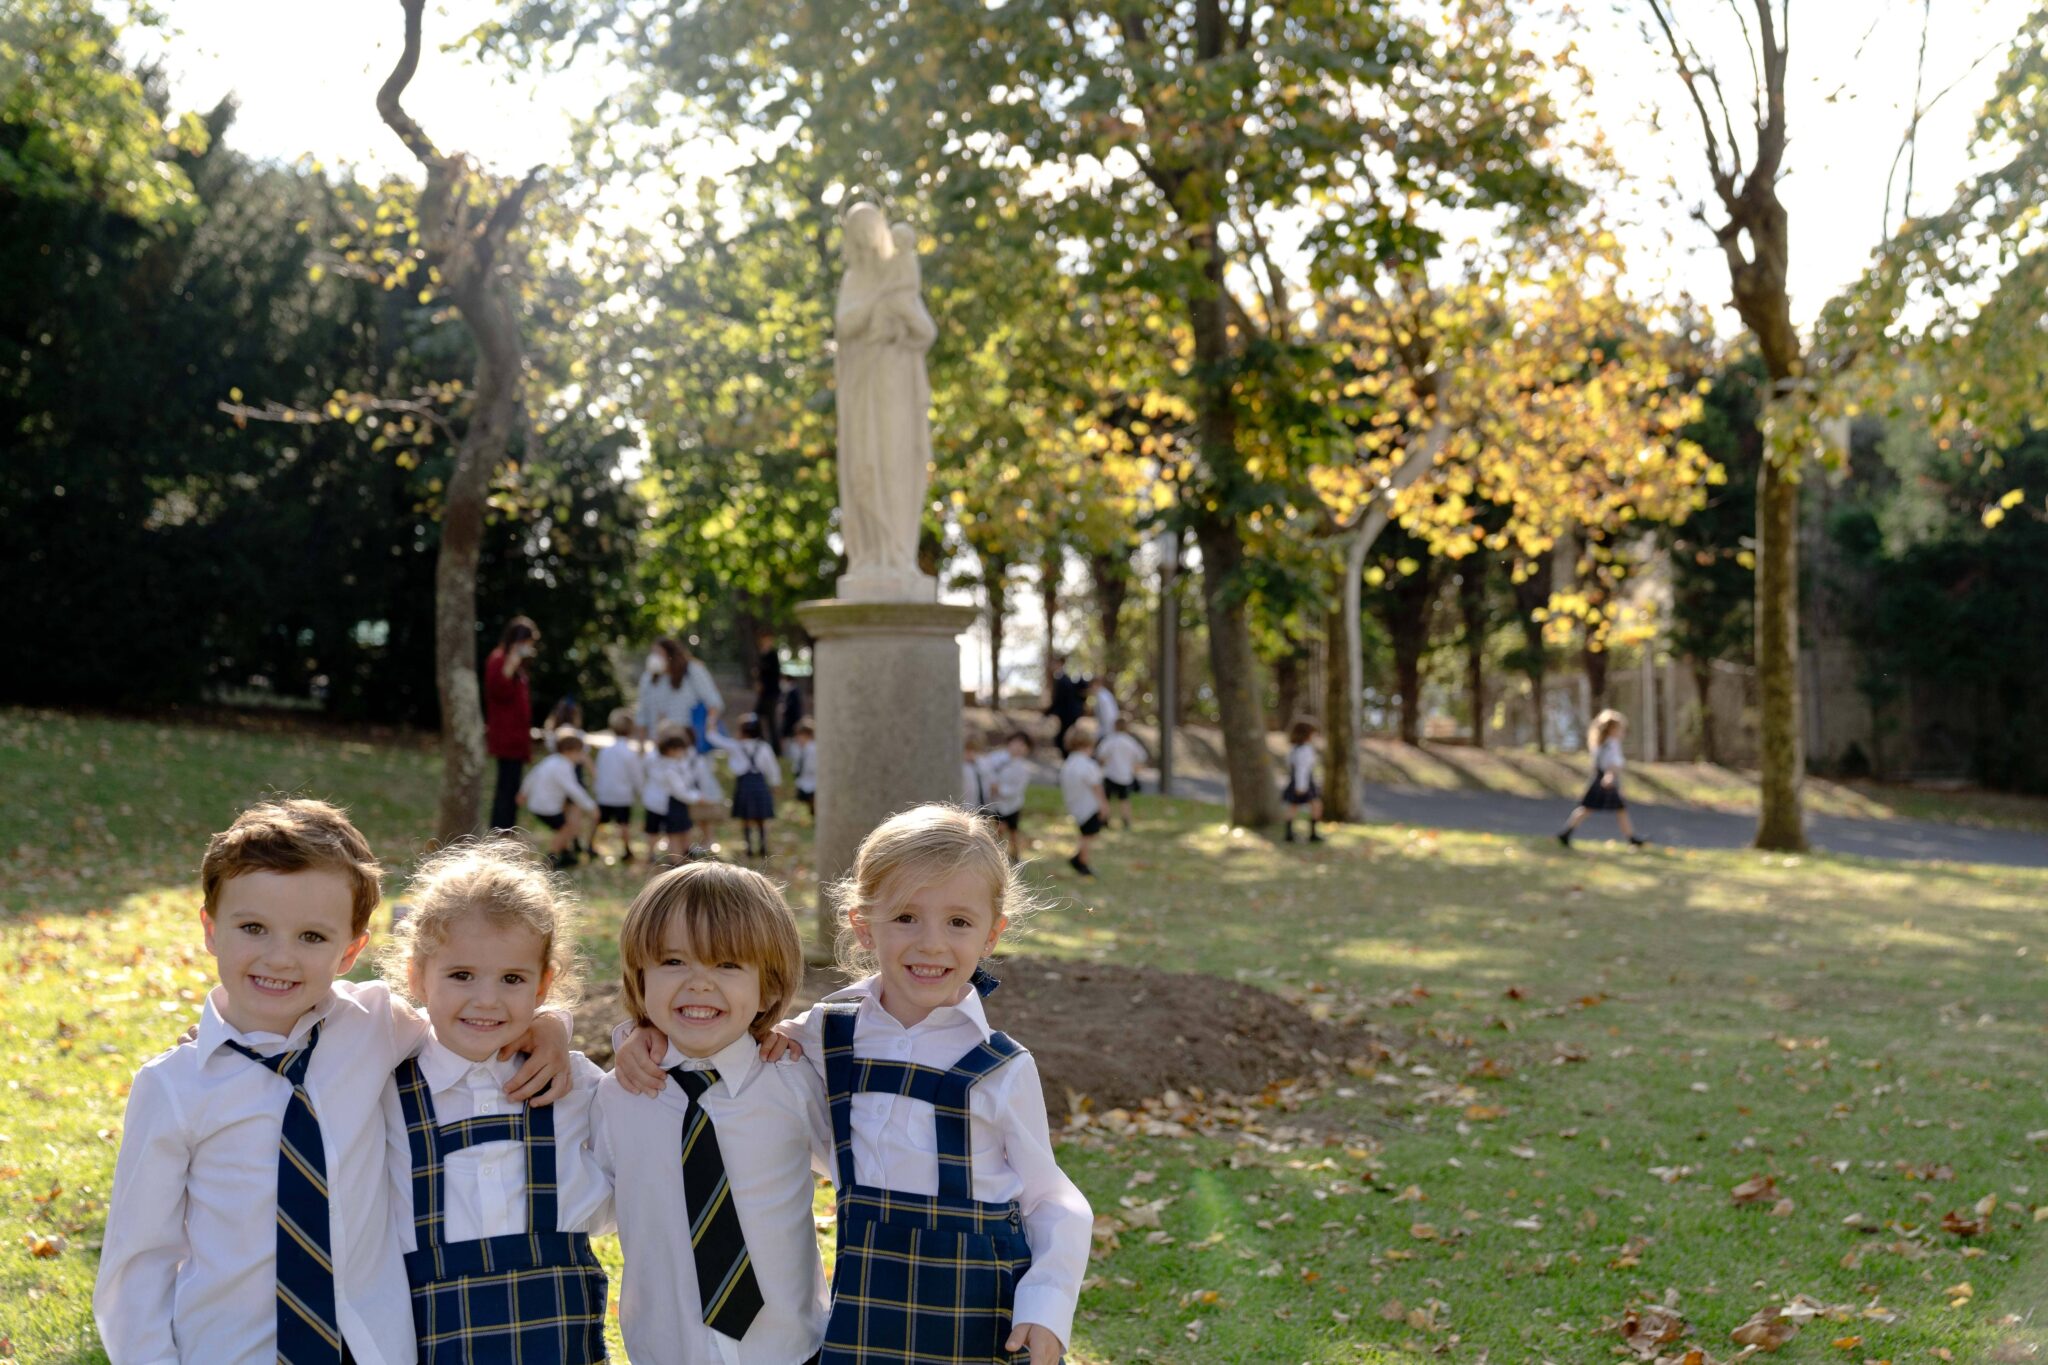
(388, 107)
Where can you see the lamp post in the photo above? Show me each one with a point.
(1167, 544)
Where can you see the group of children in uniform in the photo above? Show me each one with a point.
(673, 781)
(330, 1171)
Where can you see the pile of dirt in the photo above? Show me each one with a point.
(1116, 1035)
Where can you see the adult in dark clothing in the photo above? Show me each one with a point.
(508, 714)
(1069, 700)
(792, 707)
(768, 690)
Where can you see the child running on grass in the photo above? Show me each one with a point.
(1081, 786)
(250, 1218)
(1009, 778)
(1603, 742)
(502, 1194)
(1120, 753)
(960, 1238)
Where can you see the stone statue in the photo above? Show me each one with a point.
(885, 441)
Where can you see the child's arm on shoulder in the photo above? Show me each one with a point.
(145, 1234)
(637, 1054)
(546, 1076)
(1058, 1223)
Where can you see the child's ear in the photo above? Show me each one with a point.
(547, 982)
(206, 926)
(355, 950)
(995, 933)
(416, 977)
(863, 932)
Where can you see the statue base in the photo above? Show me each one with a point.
(889, 720)
(874, 584)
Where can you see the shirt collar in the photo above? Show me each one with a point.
(735, 1063)
(444, 1068)
(215, 1032)
(868, 992)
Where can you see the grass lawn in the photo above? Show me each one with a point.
(1589, 1052)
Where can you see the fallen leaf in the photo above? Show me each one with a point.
(1767, 1329)
(1758, 1189)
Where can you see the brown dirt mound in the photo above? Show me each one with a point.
(1117, 1035)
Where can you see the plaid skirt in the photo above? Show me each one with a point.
(1600, 796)
(537, 1313)
(752, 799)
(921, 1281)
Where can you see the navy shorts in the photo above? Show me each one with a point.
(677, 821)
(1092, 825)
(654, 822)
(555, 821)
(614, 815)
(1011, 819)
(1119, 791)
(1291, 795)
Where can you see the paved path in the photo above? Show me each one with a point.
(1541, 817)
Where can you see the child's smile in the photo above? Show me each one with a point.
(280, 939)
(482, 985)
(929, 943)
(702, 1006)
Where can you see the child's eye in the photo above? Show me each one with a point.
(313, 936)
(671, 962)
(252, 928)
(962, 922)
(459, 974)
(728, 966)
(515, 978)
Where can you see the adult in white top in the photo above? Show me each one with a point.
(483, 1187)
(198, 1171)
(1106, 709)
(620, 773)
(773, 1132)
(671, 686)
(553, 784)
(894, 1140)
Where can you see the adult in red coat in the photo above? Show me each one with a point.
(508, 715)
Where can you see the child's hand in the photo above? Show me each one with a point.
(545, 1077)
(1029, 1336)
(779, 1044)
(638, 1063)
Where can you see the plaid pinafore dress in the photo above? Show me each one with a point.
(534, 1297)
(920, 1279)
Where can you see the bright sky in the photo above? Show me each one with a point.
(307, 80)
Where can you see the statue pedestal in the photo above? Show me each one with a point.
(888, 717)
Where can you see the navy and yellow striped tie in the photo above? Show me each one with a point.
(726, 1288)
(306, 1330)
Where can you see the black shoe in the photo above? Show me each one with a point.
(1316, 839)
(1636, 842)
(1565, 838)
(627, 856)
(1290, 834)
(1079, 866)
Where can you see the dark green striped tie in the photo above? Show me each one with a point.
(726, 1288)
(306, 1330)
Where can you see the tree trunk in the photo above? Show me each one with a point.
(1595, 662)
(1703, 683)
(1233, 672)
(1343, 776)
(1532, 594)
(1406, 611)
(462, 236)
(1110, 576)
(995, 574)
(1472, 607)
(1051, 566)
(1780, 822)
(1287, 679)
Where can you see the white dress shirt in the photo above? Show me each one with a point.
(483, 1187)
(1120, 754)
(657, 782)
(618, 776)
(552, 785)
(693, 779)
(895, 1141)
(745, 756)
(1301, 767)
(1080, 777)
(188, 1271)
(803, 761)
(1106, 711)
(1009, 779)
(772, 1134)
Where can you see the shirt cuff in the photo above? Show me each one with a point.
(1047, 1307)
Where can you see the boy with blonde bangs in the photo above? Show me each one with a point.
(720, 1248)
(250, 1220)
